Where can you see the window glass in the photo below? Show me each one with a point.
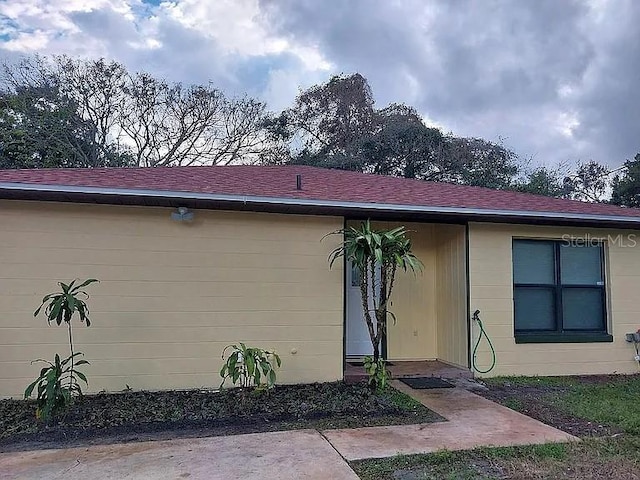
(533, 262)
(534, 308)
(582, 309)
(581, 265)
(558, 287)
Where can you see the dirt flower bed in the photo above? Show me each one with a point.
(169, 414)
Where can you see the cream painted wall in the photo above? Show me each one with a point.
(413, 336)
(451, 294)
(171, 295)
(491, 291)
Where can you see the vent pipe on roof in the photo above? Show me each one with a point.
(298, 182)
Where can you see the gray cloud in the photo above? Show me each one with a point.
(526, 71)
(555, 79)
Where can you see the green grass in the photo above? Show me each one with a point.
(402, 400)
(514, 404)
(614, 402)
(481, 463)
(609, 458)
(532, 381)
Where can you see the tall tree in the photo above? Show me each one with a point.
(401, 144)
(589, 183)
(330, 118)
(543, 181)
(481, 163)
(336, 125)
(155, 122)
(38, 128)
(626, 187)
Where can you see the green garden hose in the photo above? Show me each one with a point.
(476, 318)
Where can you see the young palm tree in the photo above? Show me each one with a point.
(369, 250)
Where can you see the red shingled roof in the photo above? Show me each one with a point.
(317, 184)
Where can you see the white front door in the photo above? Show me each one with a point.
(358, 341)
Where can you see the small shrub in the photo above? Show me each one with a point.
(58, 383)
(378, 373)
(249, 366)
(56, 386)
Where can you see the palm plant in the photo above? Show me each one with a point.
(369, 249)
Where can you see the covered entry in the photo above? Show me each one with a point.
(430, 307)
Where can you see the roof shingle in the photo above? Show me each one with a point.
(317, 184)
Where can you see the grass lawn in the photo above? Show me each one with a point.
(603, 410)
(129, 416)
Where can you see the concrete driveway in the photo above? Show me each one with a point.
(301, 454)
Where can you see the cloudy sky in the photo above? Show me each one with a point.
(557, 80)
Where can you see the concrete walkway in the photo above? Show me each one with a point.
(473, 422)
(303, 454)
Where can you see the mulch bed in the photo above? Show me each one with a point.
(536, 402)
(136, 416)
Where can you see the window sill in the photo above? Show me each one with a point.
(563, 338)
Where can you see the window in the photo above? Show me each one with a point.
(559, 292)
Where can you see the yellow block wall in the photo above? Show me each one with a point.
(413, 336)
(172, 295)
(491, 291)
(451, 294)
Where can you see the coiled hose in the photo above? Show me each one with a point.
(483, 333)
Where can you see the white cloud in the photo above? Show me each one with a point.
(188, 40)
(27, 42)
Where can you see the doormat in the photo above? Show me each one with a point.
(422, 383)
(361, 364)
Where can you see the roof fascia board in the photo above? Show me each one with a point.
(247, 200)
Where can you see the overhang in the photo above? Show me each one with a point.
(382, 211)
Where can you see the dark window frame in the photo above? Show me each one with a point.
(559, 333)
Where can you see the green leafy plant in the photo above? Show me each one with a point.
(56, 385)
(378, 374)
(371, 250)
(249, 366)
(61, 306)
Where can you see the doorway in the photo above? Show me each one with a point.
(357, 341)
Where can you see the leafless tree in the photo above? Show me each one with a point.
(152, 121)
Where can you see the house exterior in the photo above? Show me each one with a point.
(556, 281)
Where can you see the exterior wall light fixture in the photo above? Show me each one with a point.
(182, 214)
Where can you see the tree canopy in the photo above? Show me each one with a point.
(626, 185)
(337, 125)
(61, 111)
